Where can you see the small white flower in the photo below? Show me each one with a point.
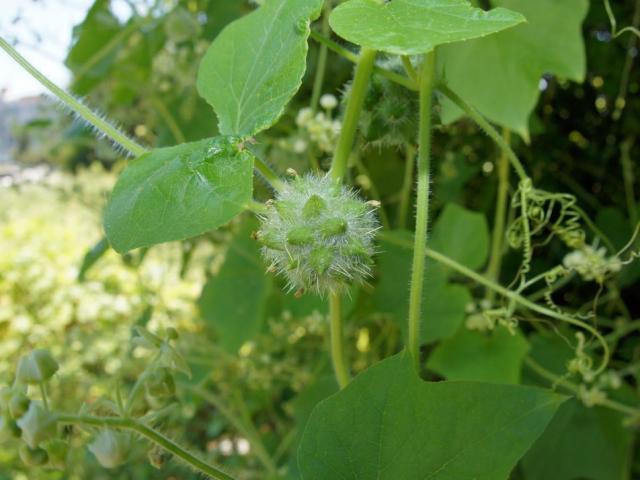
(328, 101)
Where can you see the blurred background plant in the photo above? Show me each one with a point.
(257, 355)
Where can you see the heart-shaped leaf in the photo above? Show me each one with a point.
(388, 424)
(179, 192)
(500, 75)
(254, 67)
(411, 27)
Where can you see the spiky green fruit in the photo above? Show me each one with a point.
(319, 235)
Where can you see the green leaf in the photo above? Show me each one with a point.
(387, 424)
(255, 66)
(444, 303)
(462, 235)
(589, 443)
(178, 192)
(233, 302)
(486, 357)
(499, 75)
(411, 27)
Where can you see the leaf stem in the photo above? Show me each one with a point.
(427, 77)
(497, 238)
(152, 435)
(337, 348)
(363, 71)
(268, 174)
(487, 127)
(70, 101)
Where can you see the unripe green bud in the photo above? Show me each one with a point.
(57, 450)
(37, 425)
(36, 367)
(319, 235)
(33, 457)
(111, 448)
(19, 404)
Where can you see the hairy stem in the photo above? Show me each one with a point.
(573, 388)
(70, 101)
(497, 238)
(508, 294)
(488, 129)
(355, 102)
(427, 76)
(337, 349)
(151, 435)
(629, 180)
(407, 186)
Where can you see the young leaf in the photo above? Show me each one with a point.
(233, 302)
(178, 192)
(500, 75)
(411, 27)
(387, 424)
(254, 67)
(485, 357)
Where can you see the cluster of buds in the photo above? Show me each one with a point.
(592, 264)
(31, 420)
(319, 235)
(321, 129)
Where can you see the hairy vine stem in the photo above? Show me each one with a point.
(150, 434)
(513, 296)
(339, 164)
(74, 104)
(321, 65)
(427, 77)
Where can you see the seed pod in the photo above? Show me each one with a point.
(319, 236)
(37, 425)
(111, 448)
(36, 367)
(33, 457)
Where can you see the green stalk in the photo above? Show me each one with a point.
(362, 74)
(268, 174)
(487, 127)
(497, 238)
(82, 110)
(427, 77)
(151, 435)
(364, 68)
(337, 348)
(321, 66)
(407, 186)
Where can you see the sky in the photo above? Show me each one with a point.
(43, 30)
